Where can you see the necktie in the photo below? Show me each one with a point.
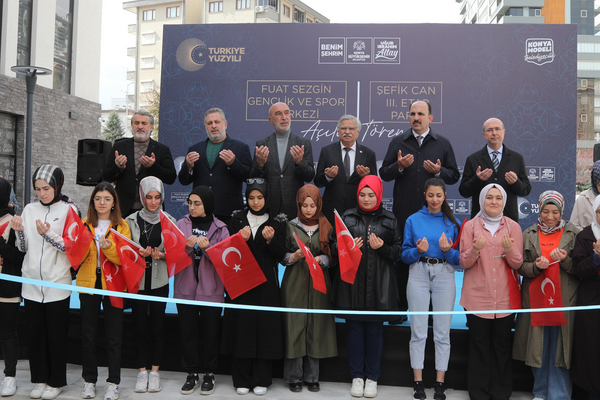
(495, 161)
(420, 140)
(347, 162)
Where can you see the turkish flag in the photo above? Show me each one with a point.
(175, 242)
(457, 241)
(3, 227)
(313, 266)
(77, 238)
(114, 278)
(514, 287)
(545, 292)
(348, 254)
(239, 272)
(132, 263)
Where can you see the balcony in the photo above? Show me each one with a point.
(268, 13)
(132, 52)
(132, 28)
(504, 5)
(131, 75)
(509, 19)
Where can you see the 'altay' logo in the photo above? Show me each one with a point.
(539, 51)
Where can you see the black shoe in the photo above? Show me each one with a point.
(296, 387)
(191, 383)
(208, 384)
(419, 391)
(312, 386)
(398, 321)
(439, 391)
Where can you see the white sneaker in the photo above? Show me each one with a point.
(370, 388)
(37, 391)
(51, 393)
(141, 386)
(242, 390)
(260, 390)
(111, 391)
(357, 387)
(154, 382)
(9, 386)
(89, 390)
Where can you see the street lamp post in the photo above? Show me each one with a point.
(31, 74)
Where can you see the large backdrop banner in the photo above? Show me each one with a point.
(523, 74)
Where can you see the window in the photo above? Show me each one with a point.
(583, 13)
(63, 41)
(8, 146)
(299, 16)
(149, 15)
(147, 62)
(584, 100)
(24, 33)
(583, 117)
(286, 11)
(588, 65)
(309, 20)
(584, 83)
(172, 12)
(147, 85)
(149, 38)
(535, 12)
(269, 3)
(215, 6)
(596, 101)
(242, 4)
(514, 12)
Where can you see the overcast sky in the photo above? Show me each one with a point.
(115, 39)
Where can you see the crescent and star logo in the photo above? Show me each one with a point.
(128, 248)
(70, 231)
(224, 258)
(192, 54)
(544, 282)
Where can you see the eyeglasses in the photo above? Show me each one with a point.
(103, 199)
(496, 128)
(194, 204)
(250, 181)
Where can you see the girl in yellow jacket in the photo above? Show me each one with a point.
(102, 215)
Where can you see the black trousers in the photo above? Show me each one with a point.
(251, 372)
(149, 325)
(199, 337)
(113, 330)
(489, 369)
(9, 338)
(48, 333)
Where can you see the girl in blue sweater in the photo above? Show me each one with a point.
(428, 238)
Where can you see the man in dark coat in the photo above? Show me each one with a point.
(412, 158)
(219, 162)
(133, 159)
(341, 167)
(284, 160)
(495, 163)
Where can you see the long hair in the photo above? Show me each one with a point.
(446, 211)
(115, 212)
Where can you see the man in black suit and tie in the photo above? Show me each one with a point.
(495, 163)
(341, 167)
(219, 162)
(133, 159)
(284, 160)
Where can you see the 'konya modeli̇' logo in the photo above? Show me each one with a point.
(192, 54)
(539, 51)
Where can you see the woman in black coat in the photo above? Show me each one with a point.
(254, 338)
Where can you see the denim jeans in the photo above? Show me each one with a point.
(551, 382)
(435, 282)
(301, 369)
(365, 346)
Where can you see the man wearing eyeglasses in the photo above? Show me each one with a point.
(341, 167)
(495, 163)
(219, 162)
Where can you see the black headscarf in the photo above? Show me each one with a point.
(5, 190)
(54, 177)
(264, 189)
(208, 200)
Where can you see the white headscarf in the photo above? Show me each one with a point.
(595, 224)
(147, 185)
(482, 195)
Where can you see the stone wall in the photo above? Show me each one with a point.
(55, 135)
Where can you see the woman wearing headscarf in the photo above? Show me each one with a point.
(583, 213)
(103, 214)
(146, 231)
(11, 260)
(308, 337)
(374, 289)
(490, 253)
(39, 234)
(200, 281)
(543, 340)
(585, 367)
(255, 338)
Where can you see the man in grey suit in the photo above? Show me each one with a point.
(341, 166)
(284, 160)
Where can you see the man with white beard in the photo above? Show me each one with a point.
(133, 159)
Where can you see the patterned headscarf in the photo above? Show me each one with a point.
(596, 177)
(551, 197)
(324, 226)
(147, 185)
(484, 216)
(53, 176)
